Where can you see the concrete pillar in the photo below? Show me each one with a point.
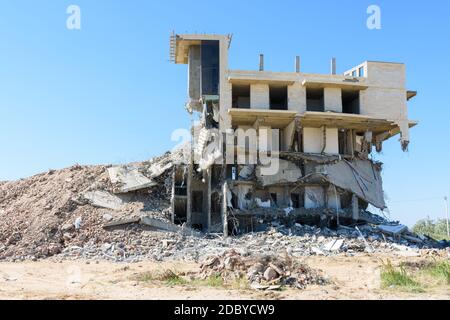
(333, 65)
(225, 210)
(189, 188)
(259, 96)
(333, 99)
(208, 199)
(172, 199)
(355, 207)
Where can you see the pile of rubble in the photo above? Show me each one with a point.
(262, 272)
(54, 212)
(112, 212)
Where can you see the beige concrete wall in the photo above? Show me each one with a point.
(333, 199)
(314, 197)
(297, 97)
(313, 140)
(386, 96)
(259, 96)
(333, 99)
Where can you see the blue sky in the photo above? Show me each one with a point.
(108, 94)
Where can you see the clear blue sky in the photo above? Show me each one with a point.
(107, 93)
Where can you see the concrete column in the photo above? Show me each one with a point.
(259, 96)
(297, 64)
(172, 199)
(189, 189)
(333, 65)
(355, 207)
(208, 199)
(333, 99)
(225, 210)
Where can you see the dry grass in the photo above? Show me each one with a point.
(417, 276)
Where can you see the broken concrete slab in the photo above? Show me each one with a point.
(393, 229)
(334, 245)
(361, 177)
(287, 172)
(128, 179)
(167, 226)
(121, 222)
(103, 199)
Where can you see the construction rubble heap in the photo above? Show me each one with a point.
(123, 213)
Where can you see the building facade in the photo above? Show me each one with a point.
(293, 142)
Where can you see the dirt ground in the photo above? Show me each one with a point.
(351, 278)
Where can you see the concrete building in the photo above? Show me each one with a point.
(319, 129)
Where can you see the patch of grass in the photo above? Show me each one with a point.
(392, 277)
(214, 280)
(440, 270)
(240, 283)
(168, 276)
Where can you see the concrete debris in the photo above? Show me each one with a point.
(262, 204)
(126, 179)
(263, 272)
(167, 226)
(78, 222)
(287, 172)
(246, 172)
(334, 245)
(107, 217)
(69, 220)
(360, 177)
(393, 229)
(104, 199)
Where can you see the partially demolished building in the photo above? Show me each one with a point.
(288, 144)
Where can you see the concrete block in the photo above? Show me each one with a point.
(128, 179)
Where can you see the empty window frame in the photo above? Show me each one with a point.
(361, 72)
(273, 196)
(350, 101)
(241, 96)
(197, 201)
(295, 199)
(314, 99)
(278, 97)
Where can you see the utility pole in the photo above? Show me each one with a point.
(446, 215)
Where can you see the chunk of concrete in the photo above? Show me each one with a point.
(166, 226)
(128, 179)
(287, 172)
(394, 230)
(334, 245)
(103, 199)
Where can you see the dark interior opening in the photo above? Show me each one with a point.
(197, 201)
(180, 210)
(315, 99)
(274, 197)
(210, 67)
(350, 101)
(295, 198)
(241, 96)
(278, 97)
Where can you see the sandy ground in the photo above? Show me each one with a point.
(352, 278)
